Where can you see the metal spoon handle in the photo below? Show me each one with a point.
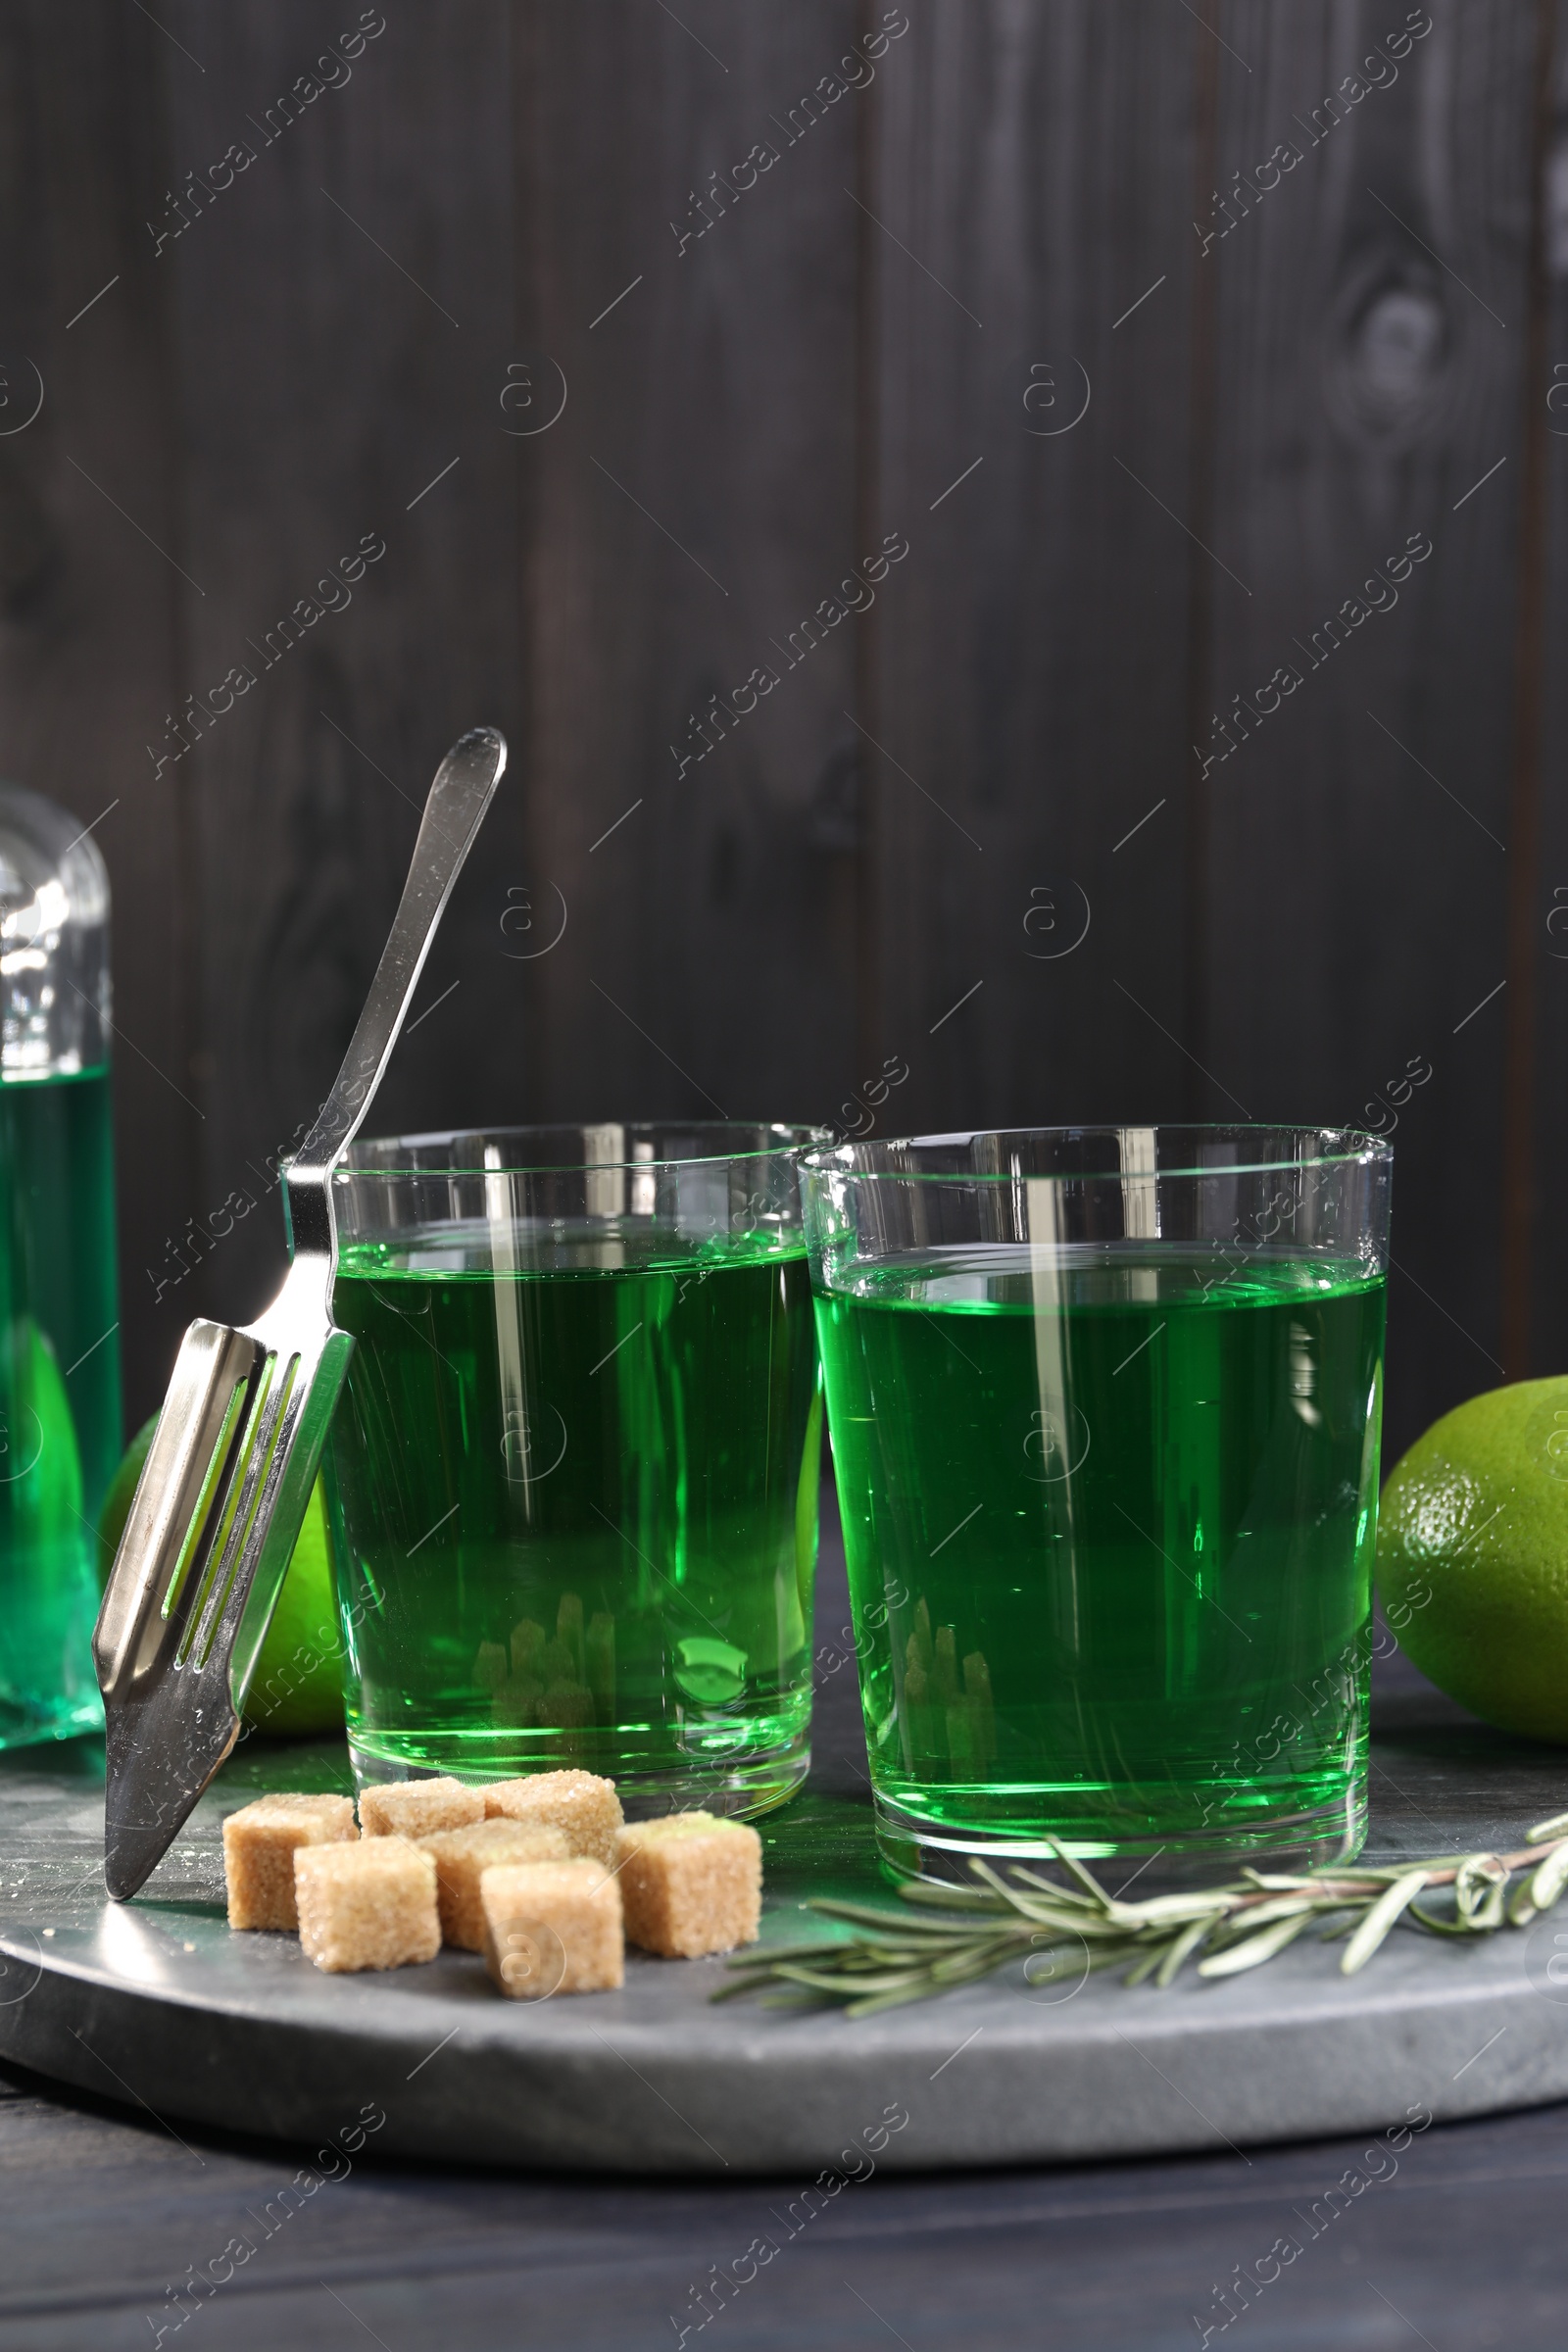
(465, 784)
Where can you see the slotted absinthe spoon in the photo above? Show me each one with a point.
(222, 1496)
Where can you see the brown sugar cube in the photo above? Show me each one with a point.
(417, 1808)
(490, 1665)
(552, 1927)
(258, 1842)
(582, 1806)
(366, 1905)
(690, 1884)
(568, 1629)
(461, 1854)
(528, 1644)
(566, 1706)
(599, 1646)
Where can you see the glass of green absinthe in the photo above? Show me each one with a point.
(1105, 1405)
(573, 1475)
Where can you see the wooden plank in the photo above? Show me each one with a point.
(693, 508)
(345, 306)
(1032, 189)
(90, 608)
(105, 2214)
(776, 391)
(1540, 910)
(1370, 345)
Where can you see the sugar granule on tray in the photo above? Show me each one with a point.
(372, 1904)
(462, 1855)
(259, 1847)
(552, 1927)
(690, 1884)
(417, 1808)
(582, 1806)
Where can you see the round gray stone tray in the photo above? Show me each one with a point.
(155, 2002)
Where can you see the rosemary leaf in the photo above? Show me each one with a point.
(1023, 1875)
(1111, 1955)
(1042, 1911)
(1360, 1881)
(1252, 1950)
(886, 2001)
(1186, 1942)
(1146, 1966)
(979, 1961)
(1279, 1907)
(1075, 1869)
(1549, 1878)
(1089, 1960)
(826, 1980)
(1063, 1961)
(1172, 1910)
(767, 1955)
(1487, 1885)
(760, 1982)
(1380, 1919)
(888, 1921)
(1046, 1907)
(964, 1899)
(1478, 1886)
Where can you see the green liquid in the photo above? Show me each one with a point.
(60, 1409)
(574, 1511)
(1111, 1540)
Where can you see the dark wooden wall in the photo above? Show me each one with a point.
(971, 307)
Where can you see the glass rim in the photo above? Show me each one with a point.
(793, 1136)
(842, 1159)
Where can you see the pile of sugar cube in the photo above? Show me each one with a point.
(542, 1875)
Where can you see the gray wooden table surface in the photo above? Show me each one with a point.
(1451, 2242)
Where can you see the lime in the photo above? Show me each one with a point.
(298, 1682)
(1473, 1557)
(118, 1502)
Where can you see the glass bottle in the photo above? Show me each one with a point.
(59, 1406)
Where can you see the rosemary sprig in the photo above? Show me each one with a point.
(951, 1936)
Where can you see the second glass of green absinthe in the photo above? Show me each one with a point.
(574, 1509)
(1110, 1546)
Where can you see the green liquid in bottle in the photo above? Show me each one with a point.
(574, 1512)
(1109, 1547)
(60, 1409)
